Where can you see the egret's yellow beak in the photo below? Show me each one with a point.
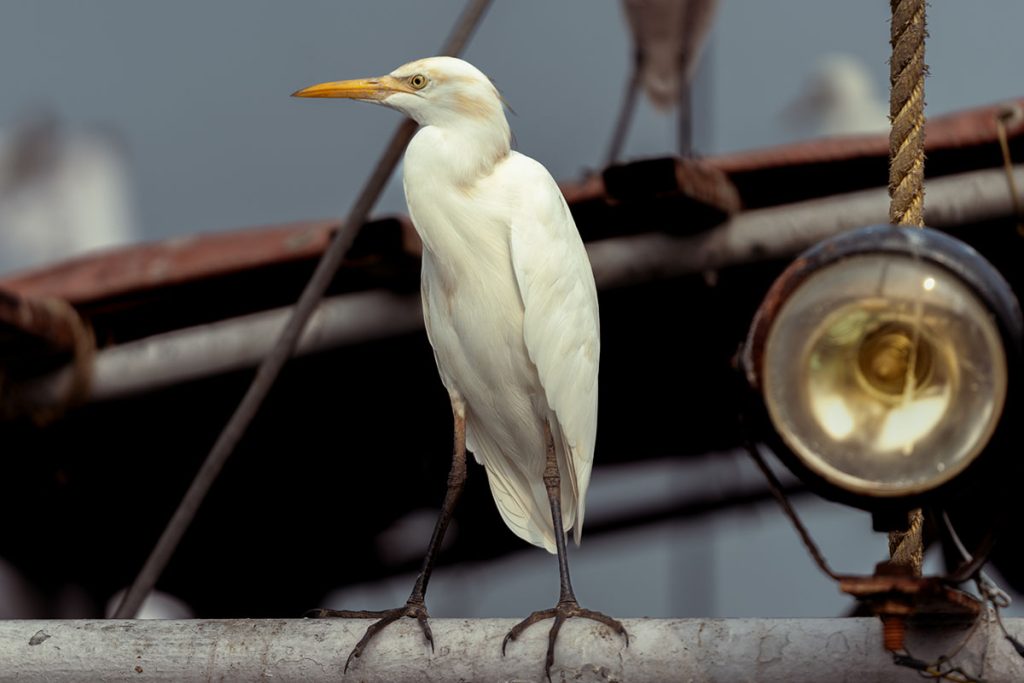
(374, 89)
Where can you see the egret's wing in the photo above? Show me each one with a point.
(520, 498)
(427, 295)
(560, 325)
(519, 495)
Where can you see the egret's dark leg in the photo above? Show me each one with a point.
(625, 114)
(415, 607)
(686, 120)
(567, 606)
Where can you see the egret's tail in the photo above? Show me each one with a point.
(517, 485)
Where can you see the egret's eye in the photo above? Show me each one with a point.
(419, 81)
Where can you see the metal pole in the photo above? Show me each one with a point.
(285, 345)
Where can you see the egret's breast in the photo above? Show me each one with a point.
(473, 309)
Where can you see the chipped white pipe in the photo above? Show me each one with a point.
(705, 650)
(236, 343)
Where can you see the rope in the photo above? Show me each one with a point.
(906, 112)
(77, 390)
(907, 547)
(906, 181)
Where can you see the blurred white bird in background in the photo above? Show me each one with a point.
(668, 40)
(62, 193)
(511, 311)
(838, 98)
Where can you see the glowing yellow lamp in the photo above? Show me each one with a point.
(881, 367)
(884, 374)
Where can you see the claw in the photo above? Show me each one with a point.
(384, 618)
(561, 613)
(517, 630)
(421, 619)
(552, 636)
(614, 624)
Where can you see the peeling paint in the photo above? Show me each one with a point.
(770, 648)
(837, 644)
(39, 637)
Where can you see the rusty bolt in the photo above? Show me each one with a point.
(894, 631)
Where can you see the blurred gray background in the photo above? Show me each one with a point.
(194, 98)
(197, 92)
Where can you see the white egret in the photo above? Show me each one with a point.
(510, 308)
(839, 98)
(62, 192)
(668, 39)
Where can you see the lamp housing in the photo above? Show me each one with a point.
(881, 362)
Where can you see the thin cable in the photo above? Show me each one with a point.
(776, 488)
(997, 598)
(286, 342)
(971, 566)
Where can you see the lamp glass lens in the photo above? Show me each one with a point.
(884, 374)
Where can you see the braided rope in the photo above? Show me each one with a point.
(907, 72)
(906, 111)
(74, 391)
(907, 547)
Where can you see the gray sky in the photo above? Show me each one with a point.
(198, 91)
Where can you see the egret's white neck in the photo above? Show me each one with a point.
(444, 166)
(461, 150)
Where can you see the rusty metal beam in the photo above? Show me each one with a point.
(777, 232)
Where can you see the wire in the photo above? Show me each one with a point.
(285, 345)
(942, 668)
(776, 488)
(997, 598)
(938, 670)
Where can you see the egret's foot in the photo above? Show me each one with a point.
(566, 609)
(413, 609)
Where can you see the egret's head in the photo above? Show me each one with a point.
(433, 91)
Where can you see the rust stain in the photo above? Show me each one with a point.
(138, 267)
